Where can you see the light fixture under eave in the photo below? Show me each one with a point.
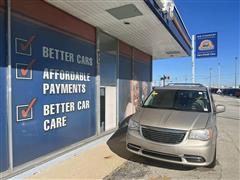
(124, 12)
(172, 52)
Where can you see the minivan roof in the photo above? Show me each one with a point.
(184, 86)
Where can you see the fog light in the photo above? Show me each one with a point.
(133, 147)
(196, 159)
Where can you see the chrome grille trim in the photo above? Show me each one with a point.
(163, 135)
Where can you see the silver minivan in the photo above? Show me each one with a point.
(176, 123)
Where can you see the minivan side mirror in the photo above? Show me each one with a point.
(220, 108)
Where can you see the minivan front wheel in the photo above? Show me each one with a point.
(213, 163)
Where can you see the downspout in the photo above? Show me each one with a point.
(9, 86)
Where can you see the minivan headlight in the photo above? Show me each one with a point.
(133, 125)
(201, 134)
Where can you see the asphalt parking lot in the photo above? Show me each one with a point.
(228, 153)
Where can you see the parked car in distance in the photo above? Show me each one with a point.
(235, 92)
(177, 124)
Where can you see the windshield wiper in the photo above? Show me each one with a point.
(157, 107)
(190, 110)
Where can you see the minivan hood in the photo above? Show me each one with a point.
(172, 119)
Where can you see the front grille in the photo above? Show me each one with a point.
(162, 155)
(162, 135)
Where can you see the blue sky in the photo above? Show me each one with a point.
(201, 16)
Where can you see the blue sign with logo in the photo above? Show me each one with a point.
(206, 45)
(53, 89)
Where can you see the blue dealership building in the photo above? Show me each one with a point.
(72, 71)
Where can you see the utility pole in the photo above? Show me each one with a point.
(210, 79)
(219, 75)
(236, 72)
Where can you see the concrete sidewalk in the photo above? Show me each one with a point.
(95, 163)
(94, 160)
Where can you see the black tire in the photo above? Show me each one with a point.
(213, 163)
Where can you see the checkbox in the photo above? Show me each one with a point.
(20, 116)
(22, 71)
(24, 46)
(25, 112)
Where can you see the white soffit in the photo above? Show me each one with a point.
(144, 32)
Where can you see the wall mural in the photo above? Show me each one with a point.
(131, 93)
(53, 90)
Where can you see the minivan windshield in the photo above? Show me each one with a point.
(186, 100)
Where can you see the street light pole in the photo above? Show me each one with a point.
(219, 75)
(210, 79)
(235, 72)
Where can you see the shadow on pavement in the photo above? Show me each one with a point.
(117, 144)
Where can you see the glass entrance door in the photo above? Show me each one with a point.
(108, 81)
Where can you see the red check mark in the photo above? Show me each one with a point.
(25, 46)
(25, 112)
(24, 70)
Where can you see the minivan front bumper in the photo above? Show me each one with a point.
(188, 152)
